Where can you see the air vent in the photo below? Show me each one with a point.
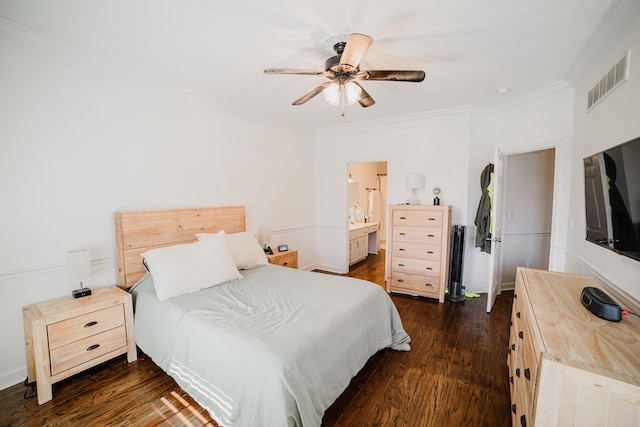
(617, 75)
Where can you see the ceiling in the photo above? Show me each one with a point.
(469, 49)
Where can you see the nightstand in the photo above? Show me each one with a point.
(65, 336)
(285, 259)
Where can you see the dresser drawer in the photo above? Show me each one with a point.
(77, 328)
(420, 218)
(416, 284)
(417, 234)
(417, 250)
(78, 352)
(416, 266)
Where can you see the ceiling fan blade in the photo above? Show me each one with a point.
(365, 99)
(292, 71)
(311, 94)
(393, 75)
(357, 45)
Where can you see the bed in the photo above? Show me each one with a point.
(273, 346)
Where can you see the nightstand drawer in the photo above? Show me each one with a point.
(77, 328)
(287, 260)
(76, 353)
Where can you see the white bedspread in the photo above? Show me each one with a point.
(275, 348)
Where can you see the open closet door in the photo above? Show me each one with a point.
(495, 269)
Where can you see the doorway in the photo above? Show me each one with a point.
(368, 192)
(527, 212)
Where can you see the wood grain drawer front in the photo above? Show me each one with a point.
(417, 234)
(416, 283)
(416, 266)
(76, 353)
(420, 218)
(288, 260)
(417, 250)
(77, 328)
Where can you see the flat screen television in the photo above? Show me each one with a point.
(612, 198)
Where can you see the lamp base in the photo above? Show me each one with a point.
(79, 293)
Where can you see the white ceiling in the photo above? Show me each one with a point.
(219, 49)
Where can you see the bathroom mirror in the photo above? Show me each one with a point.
(354, 193)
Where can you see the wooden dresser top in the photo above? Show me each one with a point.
(571, 333)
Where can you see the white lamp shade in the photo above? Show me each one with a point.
(265, 235)
(415, 180)
(79, 265)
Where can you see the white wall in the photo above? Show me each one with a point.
(82, 137)
(434, 144)
(613, 121)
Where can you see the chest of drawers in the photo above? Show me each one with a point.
(66, 336)
(568, 367)
(418, 250)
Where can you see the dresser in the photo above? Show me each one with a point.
(418, 250)
(568, 367)
(67, 335)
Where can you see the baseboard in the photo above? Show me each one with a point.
(12, 378)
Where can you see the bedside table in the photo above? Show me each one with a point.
(65, 336)
(285, 259)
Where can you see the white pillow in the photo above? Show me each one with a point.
(186, 268)
(245, 249)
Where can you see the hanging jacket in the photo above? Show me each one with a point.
(483, 215)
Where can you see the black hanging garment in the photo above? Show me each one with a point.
(483, 215)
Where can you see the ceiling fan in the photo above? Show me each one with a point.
(343, 68)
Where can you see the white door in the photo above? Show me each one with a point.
(495, 269)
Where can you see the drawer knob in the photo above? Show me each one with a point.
(400, 280)
(523, 421)
(513, 408)
(429, 268)
(93, 347)
(527, 374)
(432, 219)
(430, 252)
(518, 372)
(400, 265)
(430, 235)
(521, 335)
(401, 249)
(428, 285)
(403, 217)
(518, 315)
(403, 234)
(513, 347)
(90, 324)
(511, 379)
(285, 263)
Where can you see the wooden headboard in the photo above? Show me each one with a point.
(139, 231)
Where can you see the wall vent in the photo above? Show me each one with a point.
(616, 76)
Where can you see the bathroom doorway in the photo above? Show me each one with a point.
(368, 199)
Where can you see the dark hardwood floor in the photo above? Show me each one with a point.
(454, 375)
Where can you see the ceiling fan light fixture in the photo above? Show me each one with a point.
(335, 91)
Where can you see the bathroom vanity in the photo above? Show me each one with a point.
(363, 240)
